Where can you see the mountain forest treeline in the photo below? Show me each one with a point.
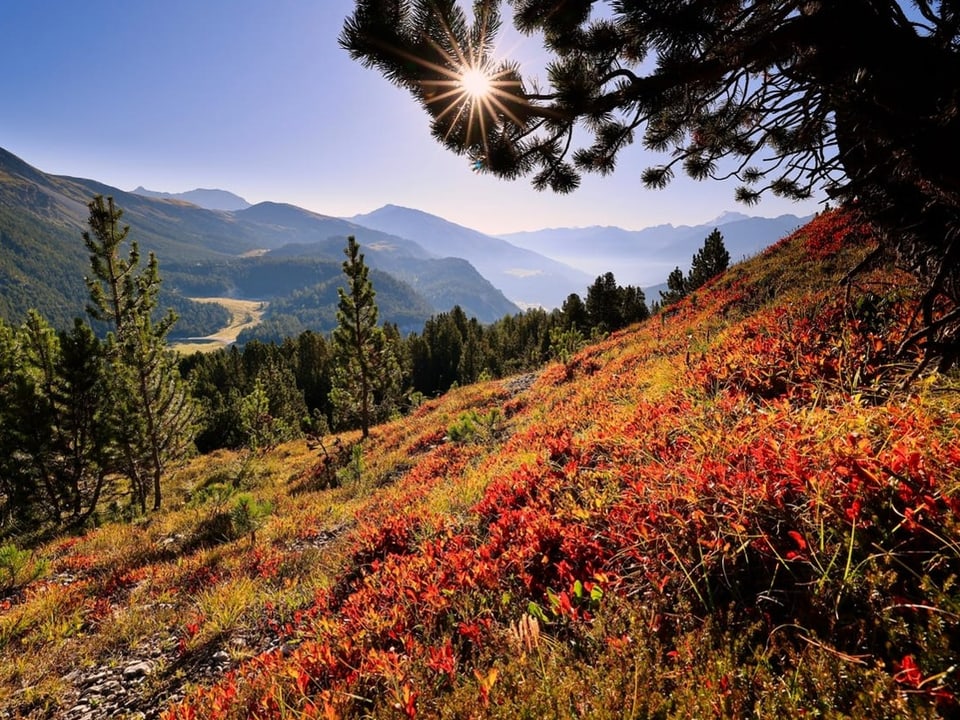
(105, 409)
(297, 374)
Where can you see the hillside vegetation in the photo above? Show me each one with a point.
(730, 510)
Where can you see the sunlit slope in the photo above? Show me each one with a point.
(727, 511)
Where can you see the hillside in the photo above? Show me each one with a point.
(727, 511)
(43, 259)
(528, 278)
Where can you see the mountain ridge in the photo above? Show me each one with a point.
(645, 257)
(42, 218)
(527, 277)
(207, 198)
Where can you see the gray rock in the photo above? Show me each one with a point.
(96, 677)
(137, 669)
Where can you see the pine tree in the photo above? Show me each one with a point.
(363, 364)
(312, 368)
(604, 303)
(472, 358)
(154, 413)
(37, 423)
(389, 390)
(633, 305)
(711, 260)
(13, 491)
(85, 438)
(54, 441)
(574, 314)
(855, 98)
(676, 288)
(22, 414)
(440, 368)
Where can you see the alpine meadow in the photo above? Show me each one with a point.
(365, 483)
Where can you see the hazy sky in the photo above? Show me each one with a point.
(256, 97)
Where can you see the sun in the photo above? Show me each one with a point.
(466, 91)
(475, 83)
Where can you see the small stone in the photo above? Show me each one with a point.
(96, 677)
(137, 669)
(109, 687)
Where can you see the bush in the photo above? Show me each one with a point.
(18, 568)
(471, 426)
(247, 515)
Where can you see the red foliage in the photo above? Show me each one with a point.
(760, 471)
(827, 232)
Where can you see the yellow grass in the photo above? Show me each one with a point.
(244, 314)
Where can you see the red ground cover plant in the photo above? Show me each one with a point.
(760, 494)
(756, 508)
(728, 512)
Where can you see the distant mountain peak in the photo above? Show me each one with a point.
(727, 216)
(528, 278)
(207, 198)
(391, 209)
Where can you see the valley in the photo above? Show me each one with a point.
(244, 314)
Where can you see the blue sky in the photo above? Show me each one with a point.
(256, 97)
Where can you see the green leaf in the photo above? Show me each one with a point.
(537, 612)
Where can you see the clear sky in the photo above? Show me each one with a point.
(256, 97)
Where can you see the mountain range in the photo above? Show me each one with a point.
(645, 257)
(528, 277)
(213, 243)
(268, 251)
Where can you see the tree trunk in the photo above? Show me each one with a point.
(897, 111)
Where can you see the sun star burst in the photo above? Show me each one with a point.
(469, 96)
(476, 83)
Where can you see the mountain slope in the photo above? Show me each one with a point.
(718, 513)
(42, 256)
(527, 278)
(43, 260)
(443, 282)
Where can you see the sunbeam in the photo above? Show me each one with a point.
(469, 95)
(475, 82)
